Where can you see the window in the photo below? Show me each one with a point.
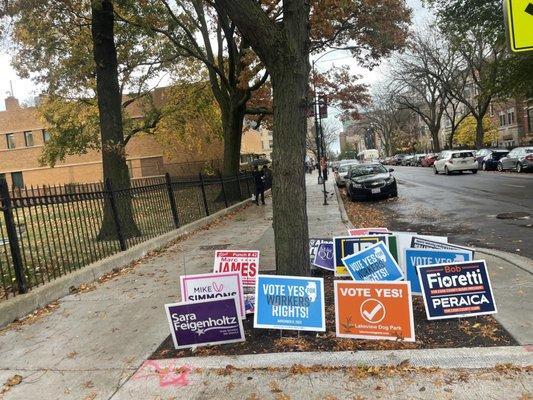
(46, 136)
(502, 119)
(17, 180)
(510, 116)
(10, 138)
(28, 139)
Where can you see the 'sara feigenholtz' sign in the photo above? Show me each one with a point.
(518, 16)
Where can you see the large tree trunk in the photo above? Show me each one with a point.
(232, 123)
(436, 141)
(110, 112)
(480, 133)
(284, 49)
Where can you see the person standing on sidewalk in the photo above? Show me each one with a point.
(267, 177)
(259, 185)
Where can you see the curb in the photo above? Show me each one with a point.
(344, 214)
(447, 358)
(518, 261)
(23, 304)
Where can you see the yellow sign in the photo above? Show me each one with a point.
(519, 21)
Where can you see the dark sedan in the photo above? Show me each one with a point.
(370, 180)
(487, 159)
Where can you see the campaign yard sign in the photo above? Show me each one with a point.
(366, 231)
(314, 244)
(452, 290)
(289, 302)
(416, 257)
(403, 240)
(205, 322)
(374, 263)
(418, 242)
(246, 262)
(374, 310)
(324, 256)
(347, 245)
(213, 286)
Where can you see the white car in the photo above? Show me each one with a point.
(455, 160)
(342, 173)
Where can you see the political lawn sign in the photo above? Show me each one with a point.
(374, 310)
(418, 242)
(213, 286)
(347, 245)
(403, 241)
(289, 302)
(415, 257)
(365, 231)
(205, 322)
(246, 262)
(452, 290)
(374, 263)
(324, 256)
(314, 245)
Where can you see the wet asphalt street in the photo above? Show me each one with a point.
(468, 208)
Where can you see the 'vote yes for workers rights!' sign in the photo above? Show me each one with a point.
(456, 290)
(289, 302)
(244, 261)
(374, 310)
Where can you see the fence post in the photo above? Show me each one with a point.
(247, 178)
(223, 190)
(11, 229)
(202, 185)
(172, 201)
(238, 175)
(113, 202)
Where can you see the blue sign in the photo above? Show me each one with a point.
(324, 256)
(415, 257)
(289, 302)
(454, 290)
(375, 263)
(347, 245)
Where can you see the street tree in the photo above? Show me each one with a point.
(466, 132)
(330, 136)
(283, 44)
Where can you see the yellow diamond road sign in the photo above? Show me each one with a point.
(519, 21)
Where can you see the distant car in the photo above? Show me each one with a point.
(455, 160)
(370, 180)
(341, 173)
(519, 159)
(397, 159)
(487, 159)
(428, 160)
(416, 160)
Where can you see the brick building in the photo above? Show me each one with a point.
(23, 135)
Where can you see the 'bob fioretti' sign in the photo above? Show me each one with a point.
(289, 302)
(454, 290)
(213, 286)
(205, 322)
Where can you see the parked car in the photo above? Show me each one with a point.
(459, 160)
(407, 159)
(417, 160)
(428, 160)
(519, 159)
(397, 159)
(487, 159)
(370, 180)
(341, 173)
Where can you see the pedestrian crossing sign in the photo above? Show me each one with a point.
(518, 16)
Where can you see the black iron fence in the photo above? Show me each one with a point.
(49, 232)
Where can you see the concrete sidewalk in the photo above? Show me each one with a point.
(94, 345)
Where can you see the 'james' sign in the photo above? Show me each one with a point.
(456, 290)
(204, 322)
(244, 261)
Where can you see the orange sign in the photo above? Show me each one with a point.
(374, 310)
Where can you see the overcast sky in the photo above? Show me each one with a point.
(25, 90)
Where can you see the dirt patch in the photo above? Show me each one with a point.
(483, 331)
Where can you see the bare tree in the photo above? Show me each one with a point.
(330, 136)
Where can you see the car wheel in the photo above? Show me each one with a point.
(474, 171)
(484, 166)
(350, 194)
(435, 170)
(519, 168)
(500, 167)
(446, 171)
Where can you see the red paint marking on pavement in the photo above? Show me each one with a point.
(171, 375)
(528, 347)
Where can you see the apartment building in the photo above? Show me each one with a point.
(23, 136)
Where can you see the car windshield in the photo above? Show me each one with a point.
(529, 151)
(463, 154)
(362, 170)
(345, 167)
